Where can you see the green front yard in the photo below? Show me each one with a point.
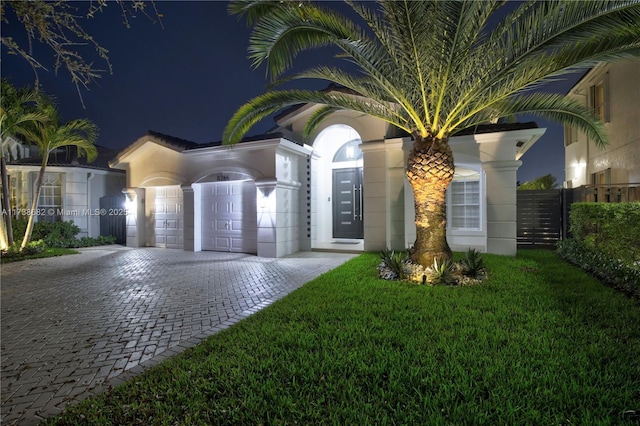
(48, 252)
(539, 342)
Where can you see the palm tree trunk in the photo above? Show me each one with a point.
(6, 204)
(430, 171)
(34, 205)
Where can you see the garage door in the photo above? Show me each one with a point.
(229, 217)
(165, 212)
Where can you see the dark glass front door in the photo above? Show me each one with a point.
(347, 203)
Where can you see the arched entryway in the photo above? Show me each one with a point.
(337, 189)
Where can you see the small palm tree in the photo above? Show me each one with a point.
(434, 68)
(51, 135)
(16, 114)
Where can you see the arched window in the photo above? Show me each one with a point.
(350, 151)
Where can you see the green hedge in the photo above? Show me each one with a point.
(613, 272)
(58, 234)
(612, 229)
(606, 243)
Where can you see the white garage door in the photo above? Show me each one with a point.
(229, 217)
(165, 214)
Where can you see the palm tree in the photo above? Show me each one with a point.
(16, 114)
(51, 135)
(433, 68)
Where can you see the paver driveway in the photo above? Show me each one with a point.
(74, 325)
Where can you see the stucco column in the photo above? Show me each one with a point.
(135, 216)
(395, 187)
(192, 216)
(502, 206)
(375, 195)
(266, 203)
(500, 167)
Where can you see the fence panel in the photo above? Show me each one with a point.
(114, 221)
(539, 218)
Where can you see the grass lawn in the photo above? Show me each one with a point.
(50, 252)
(538, 343)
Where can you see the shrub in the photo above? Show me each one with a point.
(609, 228)
(54, 234)
(106, 240)
(613, 272)
(34, 247)
(58, 234)
(393, 265)
(472, 264)
(12, 251)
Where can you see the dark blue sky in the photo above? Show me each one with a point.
(188, 77)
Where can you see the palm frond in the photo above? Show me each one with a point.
(279, 35)
(316, 118)
(556, 108)
(433, 67)
(265, 105)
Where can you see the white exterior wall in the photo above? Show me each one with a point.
(622, 155)
(277, 166)
(294, 194)
(82, 189)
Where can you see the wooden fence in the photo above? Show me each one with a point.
(543, 215)
(540, 218)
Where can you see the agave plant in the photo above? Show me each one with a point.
(472, 264)
(396, 262)
(434, 68)
(442, 272)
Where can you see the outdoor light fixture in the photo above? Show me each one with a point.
(130, 204)
(350, 152)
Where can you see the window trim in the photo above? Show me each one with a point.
(480, 205)
(600, 111)
(59, 177)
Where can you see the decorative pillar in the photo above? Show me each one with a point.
(502, 233)
(192, 215)
(375, 195)
(395, 188)
(500, 167)
(135, 202)
(266, 203)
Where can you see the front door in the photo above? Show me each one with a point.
(347, 203)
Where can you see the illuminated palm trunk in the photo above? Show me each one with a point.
(430, 171)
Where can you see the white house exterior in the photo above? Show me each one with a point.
(72, 190)
(612, 90)
(344, 190)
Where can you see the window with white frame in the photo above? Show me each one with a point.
(50, 199)
(599, 97)
(464, 200)
(570, 135)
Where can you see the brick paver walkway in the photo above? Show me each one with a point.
(74, 325)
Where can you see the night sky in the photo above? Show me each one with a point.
(187, 77)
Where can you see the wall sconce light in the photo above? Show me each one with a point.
(350, 152)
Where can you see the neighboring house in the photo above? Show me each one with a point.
(612, 90)
(344, 190)
(72, 190)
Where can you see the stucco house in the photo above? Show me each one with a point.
(345, 189)
(72, 190)
(612, 91)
